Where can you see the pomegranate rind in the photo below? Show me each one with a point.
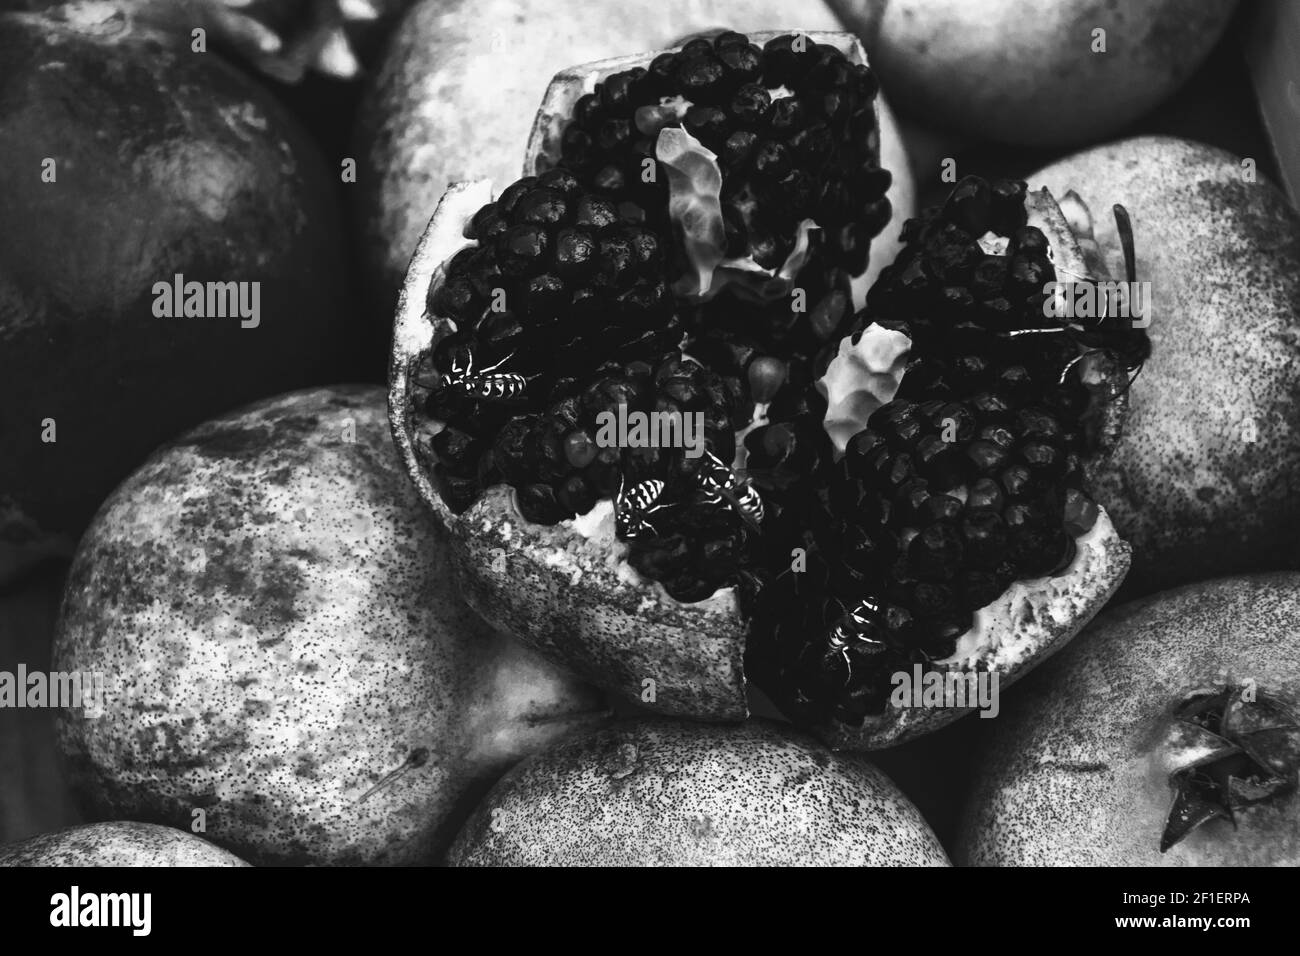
(549, 586)
(1026, 625)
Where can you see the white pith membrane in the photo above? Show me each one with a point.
(695, 206)
(1024, 622)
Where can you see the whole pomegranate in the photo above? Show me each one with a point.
(134, 167)
(285, 654)
(1167, 735)
(1065, 72)
(1203, 484)
(668, 793)
(118, 845)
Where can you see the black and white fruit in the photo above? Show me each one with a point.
(130, 161)
(646, 585)
(283, 649)
(117, 845)
(1069, 72)
(1205, 483)
(1168, 735)
(675, 793)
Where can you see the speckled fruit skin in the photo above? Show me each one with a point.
(995, 69)
(277, 627)
(1186, 487)
(117, 844)
(670, 793)
(166, 162)
(1075, 773)
(444, 109)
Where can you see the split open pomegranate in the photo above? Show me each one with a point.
(672, 455)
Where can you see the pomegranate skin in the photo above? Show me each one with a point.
(1202, 484)
(164, 162)
(1076, 771)
(677, 793)
(996, 71)
(117, 844)
(282, 645)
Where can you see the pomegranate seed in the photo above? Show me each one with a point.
(766, 375)
(579, 449)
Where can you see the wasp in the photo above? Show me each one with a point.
(487, 384)
(721, 484)
(852, 626)
(1107, 333)
(632, 508)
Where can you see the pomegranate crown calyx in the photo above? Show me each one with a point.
(1248, 753)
